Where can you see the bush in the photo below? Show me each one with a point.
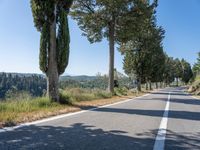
(122, 91)
(65, 99)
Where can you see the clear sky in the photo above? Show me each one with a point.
(19, 40)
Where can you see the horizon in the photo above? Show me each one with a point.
(44, 74)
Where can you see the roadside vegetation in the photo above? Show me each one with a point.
(24, 108)
(195, 82)
(195, 86)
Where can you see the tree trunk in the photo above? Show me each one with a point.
(146, 85)
(176, 81)
(52, 73)
(156, 85)
(139, 84)
(160, 84)
(150, 86)
(111, 57)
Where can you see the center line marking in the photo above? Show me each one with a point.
(160, 138)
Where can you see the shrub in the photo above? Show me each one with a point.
(121, 91)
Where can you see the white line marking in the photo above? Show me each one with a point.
(160, 138)
(191, 95)
(195, 97)
(65, 115)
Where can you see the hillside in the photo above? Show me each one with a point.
(62, 78)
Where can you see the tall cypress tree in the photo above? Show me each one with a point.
(50, 18)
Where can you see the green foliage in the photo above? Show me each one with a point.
(196, 67)
(178, 68)
(44, 15)
(50, 18)
(121, 91)
(44, 48)
(92, 82)
(43, 12)
(78, 94)
(95, 16)
(195, 87)
(65, 99)
(144, 57)
(169, 70)
(100, 19)
(142, 50)
(187, 73)
(63, 40)
(21, 85)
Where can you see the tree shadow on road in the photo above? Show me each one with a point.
(87, 137)
(189, 101)
(172, 93)
(182, 141)
(76, 137)
(178, 140)
(187, 115)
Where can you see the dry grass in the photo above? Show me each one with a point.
(15, 112)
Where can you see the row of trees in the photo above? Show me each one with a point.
(177, 69)
(125, 22)
(129, 24)
(132, 25)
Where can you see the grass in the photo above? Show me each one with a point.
(28, 109)
(195, 87)
(78, 94)
(12, 111)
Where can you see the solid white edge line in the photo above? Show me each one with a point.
(65, 115)
(160, 138)
(191, 95)
(195, 97)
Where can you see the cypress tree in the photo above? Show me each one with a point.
(50, 19)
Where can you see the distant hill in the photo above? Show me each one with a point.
(78, 78)
(22, 74)
(62, 78)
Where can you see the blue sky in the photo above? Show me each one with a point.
(19, 40)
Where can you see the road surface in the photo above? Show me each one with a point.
(167, 119)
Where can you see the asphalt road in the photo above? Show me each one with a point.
(132, 125)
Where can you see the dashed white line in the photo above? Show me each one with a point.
(160, 138)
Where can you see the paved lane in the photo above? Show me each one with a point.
(184, 123)
(132, 125)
